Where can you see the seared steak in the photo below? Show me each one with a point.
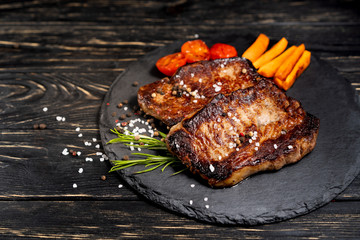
(193, 86)
(247, 131)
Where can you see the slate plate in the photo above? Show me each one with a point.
(265, 197)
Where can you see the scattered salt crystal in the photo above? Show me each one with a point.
(45, 109)
(290, 147)
(65, 151)
(219, 157)
(206, 199)
(257, 144)
(256, 148)
(77, 129)
(196, 35)
(120, 186)
(81, 170)
(97, 146)
(126, 108)
(195, 101)
(192, 185)
(58, 118)
(275, 146)
(78, 153)
(88, 159)
(192, 75)
(191, 202)
(211, 167)
(74, 185)
(63, 119)
(98, 153)
(207, 206)
(217, 89)
(80, 135)
(94, 139)
(250, 140)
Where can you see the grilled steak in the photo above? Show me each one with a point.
(193, 86)
(247, 131)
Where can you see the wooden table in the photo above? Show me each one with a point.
(58, 60)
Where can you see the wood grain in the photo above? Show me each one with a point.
(106, 219)
(64, 55)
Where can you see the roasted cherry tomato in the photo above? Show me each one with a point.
(195, 50)
(222, 50)
(170, 63)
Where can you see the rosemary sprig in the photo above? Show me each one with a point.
(138, 141)
(151, 162)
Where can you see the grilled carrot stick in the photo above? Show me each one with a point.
(269, 55)
(257, 48)
(270, 68)
(298, 69)
(285, 69)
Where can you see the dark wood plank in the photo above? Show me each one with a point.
(106, 219)
(64, 55)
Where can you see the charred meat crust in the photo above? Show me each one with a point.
(224, 147)
(193, 86)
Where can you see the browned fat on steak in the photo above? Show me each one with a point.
(193, 86)
(248, 131)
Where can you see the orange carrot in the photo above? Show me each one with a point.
(269, 69)
(269, 55)
(298, 69)
(285, 69)
(257, 48)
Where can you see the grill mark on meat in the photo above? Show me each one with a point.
(270, 122)
(205, 79)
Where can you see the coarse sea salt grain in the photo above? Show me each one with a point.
(81, 170)
(94, 139)
(192, 185)
(120, 186)
(207, 206)
(58, 118)
(74, 185)
(65, 151)
(275, 146)
(191, 202)
(45, 109)
(77, 129)
(206, 199)
(98, 153)
(211, 167)
(80, 135)
(97, 146)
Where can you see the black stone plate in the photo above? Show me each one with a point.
(266, 197)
